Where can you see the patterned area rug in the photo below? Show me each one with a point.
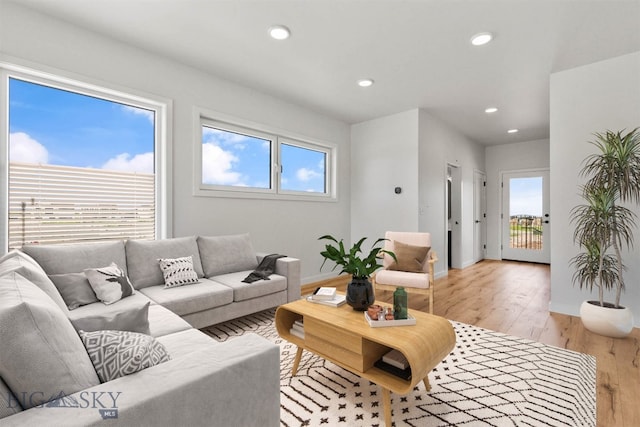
(489, 379)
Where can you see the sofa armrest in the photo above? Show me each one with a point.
(235, 383)
(290, 268)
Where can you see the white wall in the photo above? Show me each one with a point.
(31, 39)
(384, 156)
(411, 150)
(440, 145)
(593, 98)
(503, 158)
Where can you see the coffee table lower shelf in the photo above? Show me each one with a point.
(342, 336)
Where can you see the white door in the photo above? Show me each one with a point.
(479, 216)
(525, 216)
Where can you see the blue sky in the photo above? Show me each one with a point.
(525, 196)
(53, 126)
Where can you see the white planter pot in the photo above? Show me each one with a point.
(611, 322)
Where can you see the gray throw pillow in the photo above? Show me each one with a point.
(110, 283)
(178, 271)
(118, 353)
(125, 315)
(75, 289)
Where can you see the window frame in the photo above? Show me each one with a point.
(203, 117)
(162, 129)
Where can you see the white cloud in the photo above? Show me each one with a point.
(23, 148)
(304, 174)
(150, 115)
(142, 163)
(220, 137)
(217, 166)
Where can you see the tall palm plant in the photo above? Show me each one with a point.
(602, 224)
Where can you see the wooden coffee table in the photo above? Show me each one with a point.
(343, 336)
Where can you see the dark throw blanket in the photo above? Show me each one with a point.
(266, 268)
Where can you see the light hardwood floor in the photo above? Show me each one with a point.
(513, 298)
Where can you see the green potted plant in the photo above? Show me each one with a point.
(604, 228)
(360, 293)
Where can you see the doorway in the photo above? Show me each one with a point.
(479, 216)
(454, 216)
(525, 216)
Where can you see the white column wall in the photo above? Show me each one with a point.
(384, 156)
(440, 145)
(593, 98)
(31, 39)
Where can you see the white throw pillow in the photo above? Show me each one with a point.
(178, 271)
(110, 283)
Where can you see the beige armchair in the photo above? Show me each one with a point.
(414, 269)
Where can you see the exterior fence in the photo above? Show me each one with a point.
(525, 232)
(62, 204)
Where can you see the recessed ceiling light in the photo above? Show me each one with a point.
(490, 110)
(481, 38)
(279, 32)
(365, 82)
(512, 131)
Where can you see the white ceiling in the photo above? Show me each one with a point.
(418, 52)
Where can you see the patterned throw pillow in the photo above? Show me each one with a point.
(110, 283)
(178, 271)
(115, 354)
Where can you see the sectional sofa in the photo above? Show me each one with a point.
(70, 355)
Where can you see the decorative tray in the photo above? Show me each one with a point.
(387, 323)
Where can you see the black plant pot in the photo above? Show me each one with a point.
(360, 293)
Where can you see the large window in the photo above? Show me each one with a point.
(244, 161)
(82, 163)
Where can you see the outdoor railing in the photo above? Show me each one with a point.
(525, 232)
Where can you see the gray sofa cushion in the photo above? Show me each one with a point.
(41, 355)
(243, 291)
(190, 299)
(128, 314)
(164, 322)
(142, 258)
(187, 342)
(74, 258)
(74, 288)
(28, 268)
(226, 254)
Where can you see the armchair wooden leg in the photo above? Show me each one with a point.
(431, 298)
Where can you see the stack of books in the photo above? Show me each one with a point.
(337, 300)
(395, 363)
(297, 328)
(323, 294)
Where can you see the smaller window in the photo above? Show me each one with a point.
(237, 160)
(303, 168)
